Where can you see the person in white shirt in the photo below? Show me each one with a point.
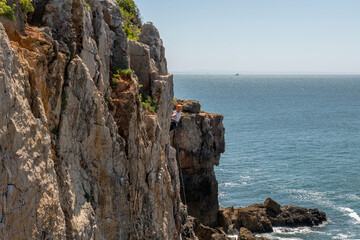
(175, 117)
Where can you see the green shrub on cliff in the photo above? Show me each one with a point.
(131, 19)
(26, 6)
(86, 5)
(6, 10)
(125, 74)
(148, 103)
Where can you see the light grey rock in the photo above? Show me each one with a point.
(151, 37)
(80, 160)
(29, 204)
(140, 63)
(112, 16)
(191, 106)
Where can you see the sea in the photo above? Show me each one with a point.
(295, 139)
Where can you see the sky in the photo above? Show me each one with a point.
(258, 36)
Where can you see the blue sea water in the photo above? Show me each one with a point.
(295, 139)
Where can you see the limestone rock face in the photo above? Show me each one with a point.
(30, 204)
(140, 62)
(119, 47)
(200, 140)
(191, 106)
(80, 160)
(151, 37)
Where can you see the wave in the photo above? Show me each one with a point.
(291, 231)
(229, 184)
(353, 197)
(272, 237)
(343, 236)
(233, 237)
(321, 198)
(351, 214)
(282, 233)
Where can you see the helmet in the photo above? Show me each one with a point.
(179, 107)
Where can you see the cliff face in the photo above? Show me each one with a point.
(80, 159)
(200, 141)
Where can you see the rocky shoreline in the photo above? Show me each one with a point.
(85, 149)
(200, 139)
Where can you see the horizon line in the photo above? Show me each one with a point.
(200, 72)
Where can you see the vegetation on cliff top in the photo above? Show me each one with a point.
(86, 5)
(131, 19)
(26, 6)
(6, 10)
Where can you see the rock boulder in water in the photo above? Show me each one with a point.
(246, 234)
(262, 217)
(272, 206)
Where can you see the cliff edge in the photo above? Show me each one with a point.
(82, 155)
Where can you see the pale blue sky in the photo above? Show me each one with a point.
(307, 36)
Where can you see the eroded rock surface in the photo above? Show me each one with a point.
(151, 37)
(262, 217)
(80, 160)
(200, 141)
(246, 234)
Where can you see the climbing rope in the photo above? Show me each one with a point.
(180, 169)
(190, 228)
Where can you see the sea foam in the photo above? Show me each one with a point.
(351, 214)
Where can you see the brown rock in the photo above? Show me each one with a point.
(260, 217)
(297, 216)
(253, 218)
(246, 234)
(200, 140)
(207, 233)
(272, 206)
(190, 106)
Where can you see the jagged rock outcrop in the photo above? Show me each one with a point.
(151, 37)
(262, 217)
(80, 160)
(30, 197)
(246, 234)
(200, 141)
(140, 63)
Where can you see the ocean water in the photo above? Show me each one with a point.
(295, 139)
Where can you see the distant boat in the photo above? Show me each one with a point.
(237, 74)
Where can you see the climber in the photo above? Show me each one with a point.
(175, 117)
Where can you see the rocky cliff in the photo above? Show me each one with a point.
(81, 158)
(85, 150)
(200, 141)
